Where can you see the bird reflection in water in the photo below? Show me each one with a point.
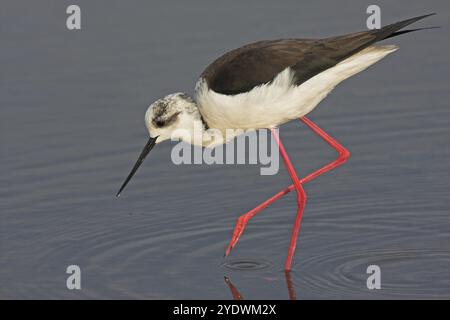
(290, 287)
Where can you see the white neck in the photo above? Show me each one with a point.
(196, 131)
(191, 126)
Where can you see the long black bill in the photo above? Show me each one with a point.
(149, 146)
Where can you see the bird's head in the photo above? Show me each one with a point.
(169, 117)
(172, 117)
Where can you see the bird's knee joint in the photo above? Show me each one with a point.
(242, 220)
(344, 155)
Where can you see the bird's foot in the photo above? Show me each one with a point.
(237, 232)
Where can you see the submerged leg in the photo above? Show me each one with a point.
(290, 285)
(234, 292)
(343, 155)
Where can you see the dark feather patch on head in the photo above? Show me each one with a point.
(160, 109)
(162, 120)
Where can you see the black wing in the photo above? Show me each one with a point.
(258, 63)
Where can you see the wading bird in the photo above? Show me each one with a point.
(264, 85)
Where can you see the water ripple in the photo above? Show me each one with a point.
(404, 273)
(247, 264)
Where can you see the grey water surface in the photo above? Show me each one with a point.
(71, 126)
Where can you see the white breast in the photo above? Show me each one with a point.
(280, 101)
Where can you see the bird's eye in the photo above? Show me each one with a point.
(159, 122)
(163, 122)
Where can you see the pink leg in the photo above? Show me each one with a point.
(344, 154)
(301, 200)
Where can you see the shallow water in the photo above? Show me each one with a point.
(71, 117)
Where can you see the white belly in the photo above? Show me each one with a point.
(280, 101)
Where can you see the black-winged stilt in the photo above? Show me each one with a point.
(263, 85)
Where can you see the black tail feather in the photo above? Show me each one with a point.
(391, 29)
(408, 31)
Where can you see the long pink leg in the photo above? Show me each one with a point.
(301, 200)
(343, 155)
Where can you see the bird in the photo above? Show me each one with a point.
(264, 85)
